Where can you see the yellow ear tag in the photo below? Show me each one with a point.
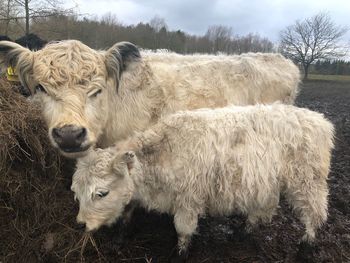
(11, 74)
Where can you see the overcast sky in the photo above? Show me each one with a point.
(266, 17)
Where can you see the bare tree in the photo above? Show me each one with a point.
(312, 39)
(8, 10)
(110, 19)
(221, 37)
(160, 27)
(33, 9)
(157, 23)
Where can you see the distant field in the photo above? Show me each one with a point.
(330, 77)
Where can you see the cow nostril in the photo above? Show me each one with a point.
(56, 133)
(81, 134)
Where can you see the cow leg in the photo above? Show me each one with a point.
(310, 201)
(185, 225)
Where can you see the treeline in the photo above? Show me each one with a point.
(331, 67)
(104, 32)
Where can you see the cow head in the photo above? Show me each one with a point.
(74, 85)
(103, 186)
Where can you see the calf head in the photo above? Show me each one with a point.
(103, 186)
(74, 84)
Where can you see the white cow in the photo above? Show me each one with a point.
(217, 162)
(94, 97)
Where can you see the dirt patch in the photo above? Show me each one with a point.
(32, 232)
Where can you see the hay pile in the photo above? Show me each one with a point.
(37, 210)
(23, 136)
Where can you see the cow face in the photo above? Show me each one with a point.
(103, 187)
(74, 84)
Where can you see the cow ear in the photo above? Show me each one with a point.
(18, 57)
(10, 52)
(119, 57)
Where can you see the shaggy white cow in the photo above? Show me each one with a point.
(97, 97)
(217, 162)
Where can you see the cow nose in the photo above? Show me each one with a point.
(69, 137)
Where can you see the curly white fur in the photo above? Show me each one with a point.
(217, 162)
(149, 86)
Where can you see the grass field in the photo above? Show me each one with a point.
(345, 78)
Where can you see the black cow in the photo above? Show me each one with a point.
(3, 37)
(31, 41)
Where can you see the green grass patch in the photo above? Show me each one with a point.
(343, 78)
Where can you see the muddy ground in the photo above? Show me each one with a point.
(153, 236)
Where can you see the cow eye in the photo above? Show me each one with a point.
(93, 95)
(102, 194)
(40, 88)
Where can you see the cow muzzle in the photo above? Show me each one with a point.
(70, 138)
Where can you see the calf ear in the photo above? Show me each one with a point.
(18, 57)
(118, 57)
(118, 163)
(129, 158)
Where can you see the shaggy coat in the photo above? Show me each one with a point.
(217, 162)
(109, 94)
